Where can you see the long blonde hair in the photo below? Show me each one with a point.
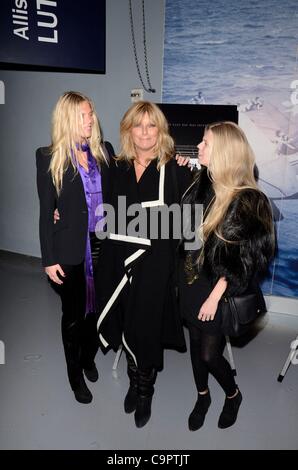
(231, 169)
(164, 149)
(67, 133)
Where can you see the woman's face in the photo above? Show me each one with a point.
(144, 135)
(87, 119)
(205, 148)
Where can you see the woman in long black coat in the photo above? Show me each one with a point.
(136, 271)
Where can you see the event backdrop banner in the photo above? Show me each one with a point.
(48, 34)
(187, 123)
(245, 53)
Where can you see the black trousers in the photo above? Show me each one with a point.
(79, 333)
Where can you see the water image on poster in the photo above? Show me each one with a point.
(245, 54)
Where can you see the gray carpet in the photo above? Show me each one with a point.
(38, 409)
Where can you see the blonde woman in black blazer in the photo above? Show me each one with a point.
(73, 176)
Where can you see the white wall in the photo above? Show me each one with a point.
(31, 96)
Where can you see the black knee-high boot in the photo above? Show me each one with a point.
(130, 401)
(72, 293)
(145, 393)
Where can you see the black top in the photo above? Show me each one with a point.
(65, 241)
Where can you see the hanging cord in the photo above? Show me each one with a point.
(149, 89)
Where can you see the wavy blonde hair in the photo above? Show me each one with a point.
(231, 169)
(67, 133)
(164, 149)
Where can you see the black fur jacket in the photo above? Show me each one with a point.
(248, 225)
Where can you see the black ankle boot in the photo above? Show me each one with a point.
(229, 412)
(130, 401)
(82, 393)
(91, 372)
(197, 416)
(144, 399)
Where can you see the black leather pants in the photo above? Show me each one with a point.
(79, 334)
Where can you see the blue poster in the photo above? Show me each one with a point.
(48, 34)
(245, 53)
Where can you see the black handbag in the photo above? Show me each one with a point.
(240, 312)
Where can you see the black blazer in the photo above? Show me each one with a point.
(65, 241)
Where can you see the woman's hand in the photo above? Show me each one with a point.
(182, 161)
(208, 309)
(51, 271)
(56, 215)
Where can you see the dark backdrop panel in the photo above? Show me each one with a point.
(68, 34)
(187, 122)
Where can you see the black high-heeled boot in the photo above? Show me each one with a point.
(230, 410)
(197, 416)
(130, 401)
(144, 399)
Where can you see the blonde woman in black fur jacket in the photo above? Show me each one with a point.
(237, 244)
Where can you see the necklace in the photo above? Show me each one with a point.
(144, 166)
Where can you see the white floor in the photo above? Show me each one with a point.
(38, 410)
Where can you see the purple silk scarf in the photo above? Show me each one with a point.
(91, 180)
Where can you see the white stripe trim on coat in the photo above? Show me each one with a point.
(104, 342)
(129, 239)
(116, 292)
(128, 349)
(112, 300)
(160, 200)
(133, 257)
